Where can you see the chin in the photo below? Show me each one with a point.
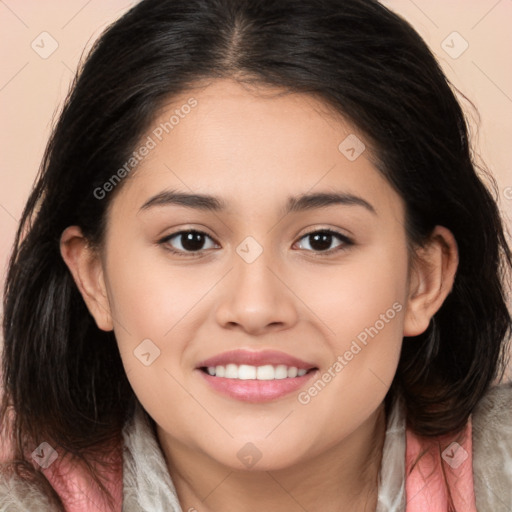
(255, 456)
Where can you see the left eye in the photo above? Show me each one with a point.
(320, 241)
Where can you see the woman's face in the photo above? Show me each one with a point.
(262, 292)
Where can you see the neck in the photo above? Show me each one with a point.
(345, 478)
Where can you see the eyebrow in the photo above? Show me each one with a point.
(206, 202)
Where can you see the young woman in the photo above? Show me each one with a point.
(258, 271)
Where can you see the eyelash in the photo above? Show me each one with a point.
(346, 242)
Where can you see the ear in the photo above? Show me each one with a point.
(431, 280)
(86, 268)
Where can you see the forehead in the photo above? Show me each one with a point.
(252, 144)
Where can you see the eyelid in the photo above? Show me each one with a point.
(345, 234)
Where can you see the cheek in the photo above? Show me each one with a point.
(363, 306)
(367, 292)
(148, 302)
(149, 296)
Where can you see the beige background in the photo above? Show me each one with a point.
(32, 87)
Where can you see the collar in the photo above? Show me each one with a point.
(148, 487)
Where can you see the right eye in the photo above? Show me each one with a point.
(189, 242)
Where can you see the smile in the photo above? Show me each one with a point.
(255, 376)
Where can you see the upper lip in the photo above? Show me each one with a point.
(255, 358)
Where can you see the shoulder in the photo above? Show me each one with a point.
(495, 399)
(20, 495)
(492, 449)
(492, 417)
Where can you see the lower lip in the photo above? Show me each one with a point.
(256, 390)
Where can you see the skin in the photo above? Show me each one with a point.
(254, 150)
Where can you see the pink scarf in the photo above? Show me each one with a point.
(440, 481)
(76, 490)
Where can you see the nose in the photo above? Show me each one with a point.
(256, 298)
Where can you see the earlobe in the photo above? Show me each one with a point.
(86, 268)
(432, 278)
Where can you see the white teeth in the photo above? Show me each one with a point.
(231, 371)
(248, 372)
(265, 372)
(292, 372)
(281, 372)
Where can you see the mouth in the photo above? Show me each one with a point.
(255, 377)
